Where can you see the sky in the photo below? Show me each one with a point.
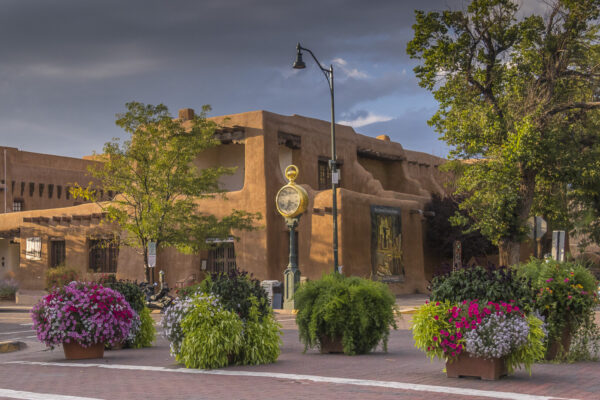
(69, 66)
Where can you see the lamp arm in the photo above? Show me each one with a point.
(327, 72)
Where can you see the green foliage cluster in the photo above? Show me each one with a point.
(565, 294)
(60, 276)
(533, 350)
(8, 289)
(159, 184)
(427, 322)
(517, 101)
(214, 337)
(483, 284)
(145, 332)
(235, 290)
(360, 311)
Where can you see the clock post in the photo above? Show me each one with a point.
(291, 273)
(291, 202)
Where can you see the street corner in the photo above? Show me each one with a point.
(10, 346)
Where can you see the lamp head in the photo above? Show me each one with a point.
(299, 64)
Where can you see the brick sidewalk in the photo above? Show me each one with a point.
(403, 363)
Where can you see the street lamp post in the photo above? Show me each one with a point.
(299, 64)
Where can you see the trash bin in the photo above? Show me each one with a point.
(274, 291)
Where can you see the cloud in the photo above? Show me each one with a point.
(364, 118)
(97, 70)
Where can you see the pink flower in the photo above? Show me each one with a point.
(436, 317)
(549, 280)
(435, 338)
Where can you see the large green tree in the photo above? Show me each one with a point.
(518, 99)
(157, 183)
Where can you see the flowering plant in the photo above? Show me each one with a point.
(86, 313)
(445, 330)
(174, 314)
(565, 294)
(204, 333)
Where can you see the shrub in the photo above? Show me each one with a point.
(262, 338)
(483, 284)
(8, 289)
(174, 314)
(145, 334)
(565, 294)
(85, 313)
(204, 334)
(60, 276)
(212, 335)
(142, 332)
(234, 290)
(445, 330)
(359, 311)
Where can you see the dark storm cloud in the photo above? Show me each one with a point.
(68, 66)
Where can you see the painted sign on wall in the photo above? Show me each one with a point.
(386, 244)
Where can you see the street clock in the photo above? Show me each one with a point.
(291, 200)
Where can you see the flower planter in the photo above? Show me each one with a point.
(75, 351)
(329, 345)
(466, 365)
(559, 345)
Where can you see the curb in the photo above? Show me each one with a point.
(10, 346)
(285, 312)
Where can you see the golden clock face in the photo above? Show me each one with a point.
(288, 200)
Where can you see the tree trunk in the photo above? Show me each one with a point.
(146, 267)
(510, 252)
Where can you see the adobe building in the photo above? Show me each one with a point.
(383, 190)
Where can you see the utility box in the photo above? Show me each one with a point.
(274, 291)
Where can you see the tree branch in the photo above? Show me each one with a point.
(589, 105)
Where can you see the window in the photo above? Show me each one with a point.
(22, 188)
(58, 191)
(31, 188)
(57, 252)
(221, 258)
(103, 255)
(17, 205)
(68, 192)
(41, 189)
(50, 190)
(324, 175)
(33, 248)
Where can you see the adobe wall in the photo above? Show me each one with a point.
(373, 172)
(48, 175)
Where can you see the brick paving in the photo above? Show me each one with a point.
(402, 363)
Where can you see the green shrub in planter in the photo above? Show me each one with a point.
(483, 284)
(359, 311)
(262, 338)
(8, 289)
(145, 335)
(565, 294)
(234, 290)
(212, 335)
(204, 334)
(143, 332)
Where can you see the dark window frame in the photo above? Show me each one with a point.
(103, 255)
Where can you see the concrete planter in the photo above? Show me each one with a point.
(75, 351)
(466, 365)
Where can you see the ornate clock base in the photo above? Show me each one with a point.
(292, 279)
